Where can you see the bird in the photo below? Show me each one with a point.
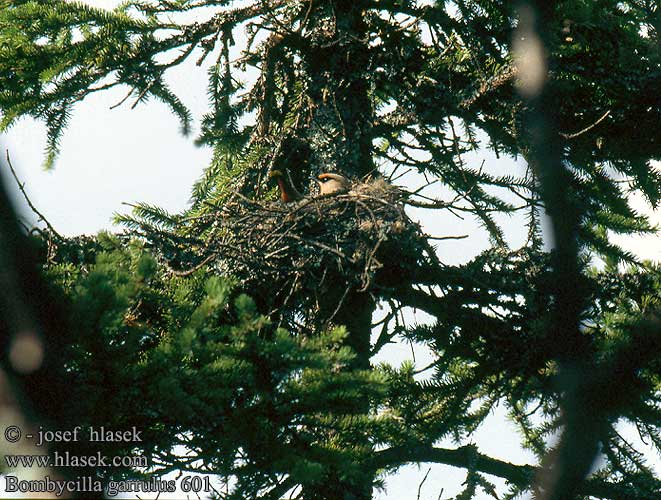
(288, 192)
(332, 183)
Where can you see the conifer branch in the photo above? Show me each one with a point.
(467, 457)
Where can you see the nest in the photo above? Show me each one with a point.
(306, 257)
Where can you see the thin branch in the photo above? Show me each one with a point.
(586, 129)
(21, 187)
(423, 482)
(124, 99)
(439, 238)
(322, 246)
(143, 93)
(196, 267)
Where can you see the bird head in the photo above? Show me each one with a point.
(332, 183)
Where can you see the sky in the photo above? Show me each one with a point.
(115, 156)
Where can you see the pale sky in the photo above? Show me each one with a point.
(122, 155)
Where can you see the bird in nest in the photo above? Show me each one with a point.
(329, 184)
(332, 184)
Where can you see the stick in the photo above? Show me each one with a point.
(423, 482)
(586, 129)
(27, 199)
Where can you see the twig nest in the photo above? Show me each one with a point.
(357, 240)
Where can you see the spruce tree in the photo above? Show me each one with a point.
(242, 328)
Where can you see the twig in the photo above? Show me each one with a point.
(143, 93)
(277, 251)
(423, 482)
(369, 211)
(367, 281)
(322, 246)
(438, 238)
(340, 304)
(432, 205)
(424, 186)
(393, 179)
(428, 367)
(190, 271)
(586, 129)
(122, 101)
(27, 199)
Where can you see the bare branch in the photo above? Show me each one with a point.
(586, 129)
(21, 187)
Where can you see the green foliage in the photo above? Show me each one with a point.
(192, 362)
(56, 53)
(363, 87)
